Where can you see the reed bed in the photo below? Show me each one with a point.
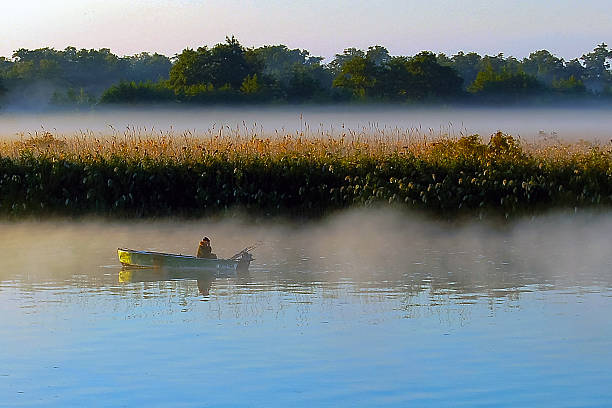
(147, 173)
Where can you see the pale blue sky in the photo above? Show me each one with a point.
(566, 28)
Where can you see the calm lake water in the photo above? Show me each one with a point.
(367, 308)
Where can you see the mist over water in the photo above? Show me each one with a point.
(379, 247)
(388, 307)
(530, 123)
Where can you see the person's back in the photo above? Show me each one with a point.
(205, 250)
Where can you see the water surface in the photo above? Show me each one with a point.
(366, 308)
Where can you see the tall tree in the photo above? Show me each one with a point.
(430, 79)
(304, 83)
(2, 88)
(378, 55)
(357, 75)
(230, 64)
(467, 66)
(396, 80)
(570, 86)
(496, 62)
(597, 75)
(544, 66)
(574, 68)
(278, 60)
(226, 64)
(339, 60)
(149, 67)
(504, 85)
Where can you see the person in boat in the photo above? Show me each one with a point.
(205, 250)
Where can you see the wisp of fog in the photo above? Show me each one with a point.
(529, 123)
(366, 247)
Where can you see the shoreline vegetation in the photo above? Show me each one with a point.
(146, 174)
(230, 74)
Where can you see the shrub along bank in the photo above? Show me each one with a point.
(187, 176)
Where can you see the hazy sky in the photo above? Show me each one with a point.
(567, 28)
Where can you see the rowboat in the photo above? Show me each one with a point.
(158, 260)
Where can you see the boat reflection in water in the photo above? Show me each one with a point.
(204, 278)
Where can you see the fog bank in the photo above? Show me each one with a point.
(370, 248)
(570, 124)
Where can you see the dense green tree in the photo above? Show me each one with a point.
(504, 85)
(250, 85)
(226, 64)
(35, 66)
(188, 68)
(467, 66)
(597, 75)
(496, 62)
(574, 68)
(36, 76)
(395, 80)
(292, 74)
(399, 78)
(5, 65)
(278, 60)
(544, 66)
(431, 79)
(378, 55)
(2, 88)
(339, 60)
(444, 59)
(357, 75)
(570, 86)
(513, 65)
(229, 73)
(149, 67)
(304, 84)
(73, 97)
(102, 63)
(137, 92)
(231, 64)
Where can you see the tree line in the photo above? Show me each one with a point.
(231, 73)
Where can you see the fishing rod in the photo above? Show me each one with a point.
(246, 250)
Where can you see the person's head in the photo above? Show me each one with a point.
(206, 241)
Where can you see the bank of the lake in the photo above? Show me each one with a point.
(155, 175)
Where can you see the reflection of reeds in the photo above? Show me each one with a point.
(145, 173)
